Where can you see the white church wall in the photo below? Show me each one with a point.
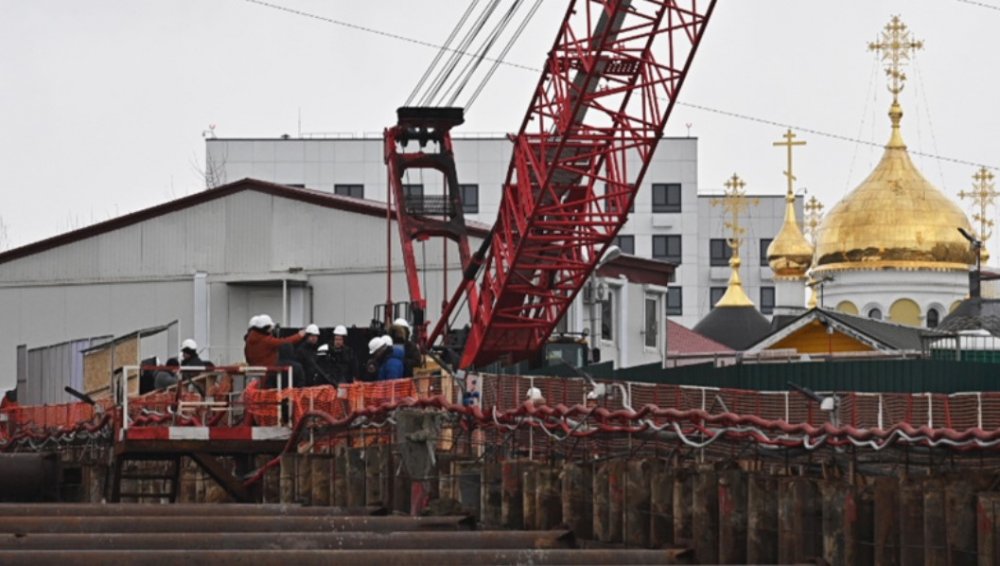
(882, 288)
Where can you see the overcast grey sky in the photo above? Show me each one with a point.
(103, 103)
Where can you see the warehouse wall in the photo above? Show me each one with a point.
(246, 243)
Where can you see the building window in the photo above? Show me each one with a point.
(767, 300)
(932, 318)
(666, 197)
(875, 314)
(764, 244)
(675, 301)
(353, 191)
(714, 294)
(667, 247)
(652, 326)
(607, 318)
(719, 251)
(625, 243)
(610, 205)
(470, 198)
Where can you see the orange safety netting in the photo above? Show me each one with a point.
(262, 404)
(63, 415)
(361, 395)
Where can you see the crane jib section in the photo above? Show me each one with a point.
(595, 119)
(421, 140)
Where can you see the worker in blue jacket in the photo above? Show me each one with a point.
(393, 366)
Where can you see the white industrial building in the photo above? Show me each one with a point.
(202, 265)
(671, 221)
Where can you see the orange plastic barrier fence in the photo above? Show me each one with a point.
(262, 404)
(361, 395)
(64, 415)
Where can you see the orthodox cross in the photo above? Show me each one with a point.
(982, 195)
(735, 202)
(895, 46)
(814, 214)
(789, 143)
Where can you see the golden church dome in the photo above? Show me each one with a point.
(789, 254)
(894, 219)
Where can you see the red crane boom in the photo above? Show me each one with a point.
(597, 114)
(600, 107)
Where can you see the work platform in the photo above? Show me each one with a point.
(202, 445)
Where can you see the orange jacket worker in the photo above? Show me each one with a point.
(261, 348)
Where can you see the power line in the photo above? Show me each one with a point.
(822, 133)
(980, 4)
(376, 31)
(727, 113)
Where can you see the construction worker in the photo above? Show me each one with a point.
(305, 354)
(288, 358)
(343, 362)
(261, 348)
(400, 332)
(393, 365)
(378, 349)
(323, 359)
(190, 358)
(168, 377)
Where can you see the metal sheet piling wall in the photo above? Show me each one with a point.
(740, 511)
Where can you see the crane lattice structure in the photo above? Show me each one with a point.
(597, 114)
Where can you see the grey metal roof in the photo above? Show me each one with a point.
(735, 327)
(974, 314)
(894, 335)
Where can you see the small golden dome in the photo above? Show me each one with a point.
(894, 219)
(789, 254)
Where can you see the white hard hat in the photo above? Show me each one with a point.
(263, 321)
(340, 330)
(534, 394)
(387, 340)
(312, 329)
(324, 348)
(254, 321)
(374, 344)
(189, 344)
(401, 322)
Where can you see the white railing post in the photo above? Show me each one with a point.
(880, 419)
(979, 410)
(930, 411)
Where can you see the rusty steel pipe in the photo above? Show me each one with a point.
(179, 510)
(291, 541)
(233, 524)
(325, 557)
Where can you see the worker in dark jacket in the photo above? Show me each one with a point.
(306, 354)
(343, 362)
(378, 349)
(190, 358)
(400, 332)
(287, 358)
(323, 360)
